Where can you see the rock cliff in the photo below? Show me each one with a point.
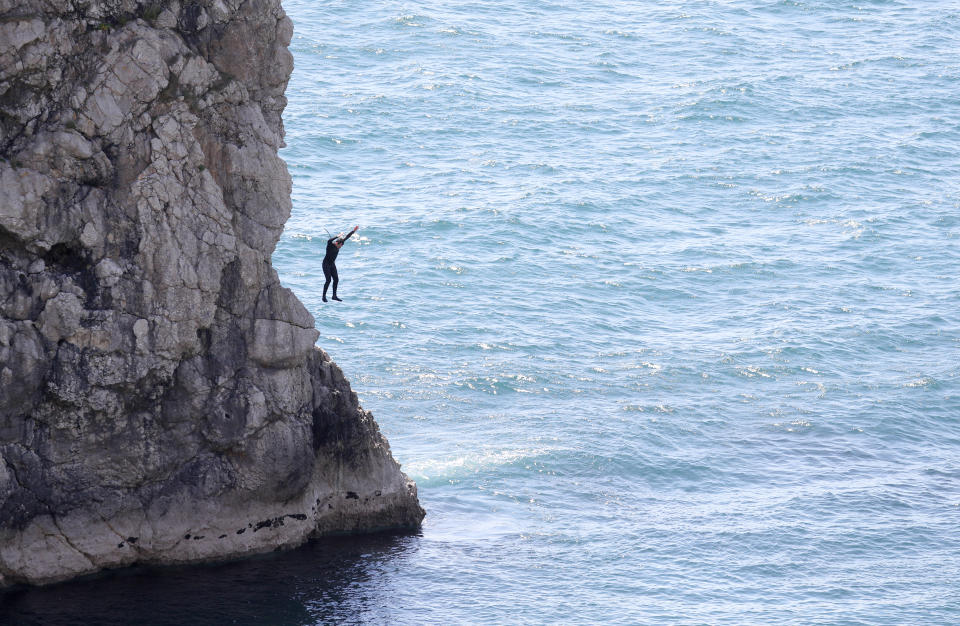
(161, 398)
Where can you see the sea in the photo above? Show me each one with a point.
(656, 302)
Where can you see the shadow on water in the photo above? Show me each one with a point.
(330, 580)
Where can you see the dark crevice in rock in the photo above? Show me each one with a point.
(205, 336)
(71, 259)
(69, 256)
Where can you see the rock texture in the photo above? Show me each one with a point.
(161, 398)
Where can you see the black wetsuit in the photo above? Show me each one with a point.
(330, 267)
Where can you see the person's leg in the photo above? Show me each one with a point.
(327, 275)
(336, 279)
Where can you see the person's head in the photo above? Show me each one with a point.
(338, 243)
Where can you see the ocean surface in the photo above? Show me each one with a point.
(657, 303)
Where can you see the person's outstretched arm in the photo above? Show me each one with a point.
(350, 234)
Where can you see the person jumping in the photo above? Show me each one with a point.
(329, 266)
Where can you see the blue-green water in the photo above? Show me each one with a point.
(655, 301)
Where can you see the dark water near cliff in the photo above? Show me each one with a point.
(657, 302)
(322, 582)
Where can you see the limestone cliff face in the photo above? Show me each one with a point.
(161, 398)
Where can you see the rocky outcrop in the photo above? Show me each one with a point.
(161, 398)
